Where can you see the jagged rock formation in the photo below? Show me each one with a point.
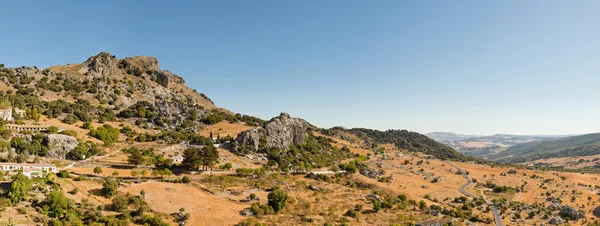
(101, 65)
(567, 211)
(281, 132)
(60, 145)
(250, 138)
(116, 84)
(556, 220)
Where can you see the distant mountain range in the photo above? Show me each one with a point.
(582, 145)
(484, 146)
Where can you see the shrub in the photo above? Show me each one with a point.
(109, 187)
(226, 166)
(97, 170)
(186, 179)
(52, 129)
(64, 174)
(277, 200)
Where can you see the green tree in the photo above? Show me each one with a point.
(210, 156)
(35, 115)
(136, 157)
(97, 170)
(19, 188)
(109, 187)
(57, 204)
(277, 200)
(376, 205)
(422, 205)
(52, 129)
(106, 133)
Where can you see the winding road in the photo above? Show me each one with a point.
(463, 189)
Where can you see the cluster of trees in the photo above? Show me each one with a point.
(84, 150)
(147, 157)
(316, 152)
(205, 157)
(141, 109)
(403, 139)
(106, 133)
(216, 116)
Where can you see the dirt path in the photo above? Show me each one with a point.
(463, 189)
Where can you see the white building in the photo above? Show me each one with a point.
(28, 169)
(7, 113)
(177, 159)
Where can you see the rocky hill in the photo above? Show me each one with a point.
(484, 146)
(582, 145)
(403, 139)
(104, 87)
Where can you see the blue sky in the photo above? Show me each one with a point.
(474, 67)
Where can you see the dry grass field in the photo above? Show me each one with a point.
(224, 128)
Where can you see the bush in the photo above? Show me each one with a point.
(52, 129)
(226, 166)
(109, 187)
(277, 200)
(186, 179)
(64, 174)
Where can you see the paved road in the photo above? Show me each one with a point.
(463, 189)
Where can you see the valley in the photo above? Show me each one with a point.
(133, 145)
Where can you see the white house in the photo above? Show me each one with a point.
(177, 159)
(28, 169)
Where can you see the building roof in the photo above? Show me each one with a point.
(27, 164)
(32, 170)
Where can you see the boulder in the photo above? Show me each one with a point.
(567, 211)
(556, 220)
(281, 132)
(59, 145)
(250, 138)
(371, 173)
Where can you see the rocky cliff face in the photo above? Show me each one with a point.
(250, 138)
(60, 145)
(101, 65)
(283, 131)
(280, 132)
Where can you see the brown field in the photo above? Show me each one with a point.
(205, 209)
(225, 128)
(570, 162)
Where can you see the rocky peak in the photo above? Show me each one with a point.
(103, 64)
(281, 132)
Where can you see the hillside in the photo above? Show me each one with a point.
(447, 136)
(582, 145)
(403, 139)
(484, 146)
(128, 138)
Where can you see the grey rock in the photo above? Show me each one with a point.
(102, 65)
(556, 220)
(570, 212)
(281, 132)
(247, 212)
(374, 196)
(60, 145)
(371, 173)
(250, 138)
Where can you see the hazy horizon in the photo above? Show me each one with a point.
(465, 67)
